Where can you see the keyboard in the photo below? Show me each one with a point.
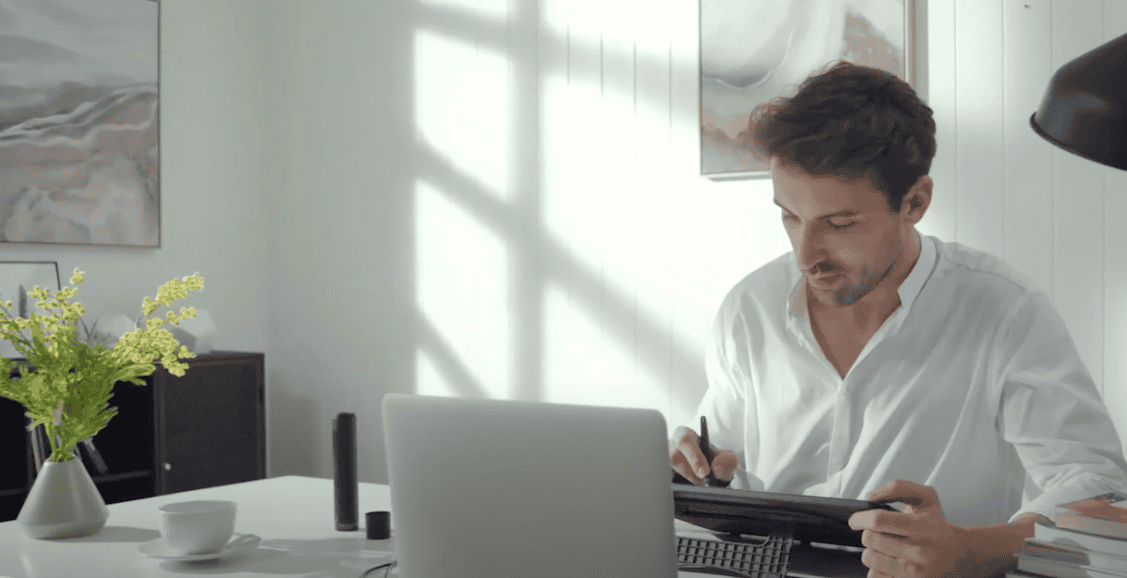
(764, 559)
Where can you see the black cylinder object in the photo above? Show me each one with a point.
(378, 525)
(344, 472)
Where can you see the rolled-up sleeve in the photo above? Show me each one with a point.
(1051, 412)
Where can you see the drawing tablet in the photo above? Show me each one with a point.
(809, 518)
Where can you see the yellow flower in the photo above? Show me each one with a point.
(68, 392)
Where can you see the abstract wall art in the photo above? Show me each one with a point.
(79, 130)
(754, 50)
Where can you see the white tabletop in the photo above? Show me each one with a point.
(293, 515)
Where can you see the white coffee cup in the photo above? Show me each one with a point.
(197, 527)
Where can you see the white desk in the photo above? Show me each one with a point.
(293, 515)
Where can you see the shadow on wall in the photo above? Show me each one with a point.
(290, 430)
(535, 260)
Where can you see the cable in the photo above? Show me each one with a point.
(389, 566)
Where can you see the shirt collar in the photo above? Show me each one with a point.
(911, 287)
(908, 290)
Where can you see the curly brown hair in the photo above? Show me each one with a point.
(849, 121)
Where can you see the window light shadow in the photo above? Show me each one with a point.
(536, 259)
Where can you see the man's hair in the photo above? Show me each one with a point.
(849, 121)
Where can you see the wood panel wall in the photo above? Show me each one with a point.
(618, 251)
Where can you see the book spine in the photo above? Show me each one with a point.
(94, 456)
(1046, 568)
(1095, 509)
(1085, 540)
(84, 456)
(44, 440)
(1076, 521)
(1072, 555)
(37, 451)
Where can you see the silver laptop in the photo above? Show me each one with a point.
(487, 488)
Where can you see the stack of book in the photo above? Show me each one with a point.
(1088, 540)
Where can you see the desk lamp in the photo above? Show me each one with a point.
(1084, 110)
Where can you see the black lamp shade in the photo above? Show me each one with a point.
(1084, 110)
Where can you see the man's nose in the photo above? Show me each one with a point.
(811, 253)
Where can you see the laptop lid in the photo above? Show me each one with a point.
(484, 488)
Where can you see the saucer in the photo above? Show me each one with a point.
(159, 548)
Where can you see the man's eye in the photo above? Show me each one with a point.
(832, 224)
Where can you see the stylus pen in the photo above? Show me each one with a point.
(706, 449)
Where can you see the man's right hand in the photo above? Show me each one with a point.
(686, 458)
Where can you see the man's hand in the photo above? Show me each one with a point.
(915, 543)
(686, 458)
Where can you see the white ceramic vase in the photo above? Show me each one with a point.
(63, 503)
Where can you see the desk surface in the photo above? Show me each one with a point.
(292, 514)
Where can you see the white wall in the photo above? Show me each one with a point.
(1002, 189)
(341, 257)
(502, 198)
(212, 218)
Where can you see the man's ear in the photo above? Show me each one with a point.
(917, 200)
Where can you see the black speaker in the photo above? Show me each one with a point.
(344, 472)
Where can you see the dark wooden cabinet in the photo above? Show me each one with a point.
(205, 429)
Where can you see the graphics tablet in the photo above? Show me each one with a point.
(809, 518)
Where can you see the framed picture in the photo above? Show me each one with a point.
(754, 50)
(17, 280)
(79, 122)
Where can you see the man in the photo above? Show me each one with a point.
(873, 362)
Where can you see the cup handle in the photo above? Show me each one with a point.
(242, 539)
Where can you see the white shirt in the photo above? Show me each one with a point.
(973, 377)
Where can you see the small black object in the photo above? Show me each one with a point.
(378, 525)
(346, 486)
(706, 449)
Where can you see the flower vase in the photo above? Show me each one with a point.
(63, 503)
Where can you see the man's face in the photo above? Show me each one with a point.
(846, 239)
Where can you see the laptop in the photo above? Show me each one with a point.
(485, 488)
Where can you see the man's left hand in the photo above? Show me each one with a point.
(915, 543)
